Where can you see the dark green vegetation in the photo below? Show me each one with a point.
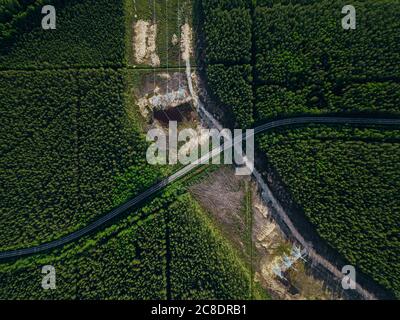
(304, 63)
(166, 249)
(347, 182)
(274, 101)
(66, 146)
(210, 5)
(232, 86)
(303, 52)
(302, 60)
(169, 16)
(228, 39)
(125, 261)
(72, 149)
(89, 33)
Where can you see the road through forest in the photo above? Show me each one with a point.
(182, 172)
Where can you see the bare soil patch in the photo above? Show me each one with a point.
(223, 195)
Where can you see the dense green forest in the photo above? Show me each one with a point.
(228, 39)
(72, 149)
(304, 63)
(346, 181)
(168, 248)
(17, 16)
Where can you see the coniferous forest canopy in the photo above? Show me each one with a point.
(71, 150)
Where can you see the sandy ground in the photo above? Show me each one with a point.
(144, 43)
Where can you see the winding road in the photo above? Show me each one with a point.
(182, 172)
